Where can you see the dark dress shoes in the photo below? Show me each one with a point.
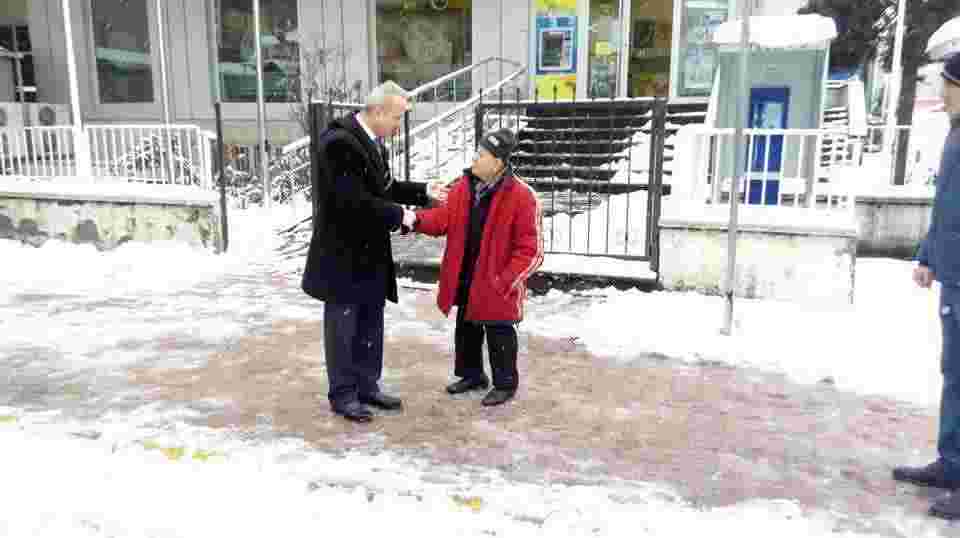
(498, 396)
(355, 411)
(947, 507)
(468, 384)
(931, 476)
(382, 401)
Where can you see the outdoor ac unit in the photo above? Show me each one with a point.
(46, 115)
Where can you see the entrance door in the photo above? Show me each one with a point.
(769, 109)
(605, 44)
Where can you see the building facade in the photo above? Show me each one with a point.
(136, 58)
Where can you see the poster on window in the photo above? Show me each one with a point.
(555, 49)
(699, 55)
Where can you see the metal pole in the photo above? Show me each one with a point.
(739, 151)
(223, 178)
(81, 145)
(218, 118)
(162, 53)
(261, 109)
(896, 77)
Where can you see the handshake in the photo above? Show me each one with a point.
(436, 190)
(409, 221)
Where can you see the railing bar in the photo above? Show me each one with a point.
(766, 170)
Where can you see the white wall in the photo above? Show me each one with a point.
(797, 259)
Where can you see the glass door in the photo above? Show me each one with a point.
(605, 46)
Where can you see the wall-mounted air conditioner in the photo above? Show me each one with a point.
(47, 115)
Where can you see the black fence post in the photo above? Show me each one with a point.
(317, 116)
(478, 123)
(406, 146)
(655, 184)
(224, 229)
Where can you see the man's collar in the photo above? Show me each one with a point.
(366, 128)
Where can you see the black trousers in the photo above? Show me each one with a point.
(501, 346)
(353, 345)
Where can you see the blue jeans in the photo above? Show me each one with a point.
(948, 439)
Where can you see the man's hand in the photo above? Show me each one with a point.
(437, 190)
(923, 276)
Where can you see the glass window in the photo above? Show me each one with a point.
(122, 49)
(17, 39)
(280, 49)
(651, 37)
(698, 54)
(422, 40)
(23, 39)
(6, 37)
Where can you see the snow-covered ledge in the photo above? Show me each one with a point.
(108, 214)
(782, 253)
(893, 219)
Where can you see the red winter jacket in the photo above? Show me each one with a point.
(511, 249)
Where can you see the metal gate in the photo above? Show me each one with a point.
(598, 168)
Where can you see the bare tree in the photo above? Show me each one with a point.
(323, 76)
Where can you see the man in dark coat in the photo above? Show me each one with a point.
(356, 204)
(939, 259)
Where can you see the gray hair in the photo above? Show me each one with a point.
(379, 95)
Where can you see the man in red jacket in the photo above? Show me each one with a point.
(492, 223)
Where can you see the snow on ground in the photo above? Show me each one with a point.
(182, 481)
(887, 343)
(119, 487)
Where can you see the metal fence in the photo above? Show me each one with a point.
(157, 154)
(598, 167)
(37, 152)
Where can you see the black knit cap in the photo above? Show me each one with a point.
(500, 143)
(951, 68)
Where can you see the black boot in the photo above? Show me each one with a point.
(931, 476)
(467, 384)
(498, 396)
(502, 346)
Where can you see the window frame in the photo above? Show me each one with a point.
(131, 110)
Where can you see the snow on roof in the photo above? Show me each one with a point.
(780, 32)
(945, 41)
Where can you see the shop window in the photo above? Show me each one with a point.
(698, 54)
(280, 51)
(121, 38)
(421, 40)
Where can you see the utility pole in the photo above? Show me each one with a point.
(739, 152)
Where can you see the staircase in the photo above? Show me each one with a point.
(603, 146)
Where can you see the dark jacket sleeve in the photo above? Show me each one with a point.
(410, 193)
(348, 193)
